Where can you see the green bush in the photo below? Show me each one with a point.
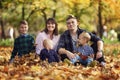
(108, 41)
(116, 51)
(6, 42)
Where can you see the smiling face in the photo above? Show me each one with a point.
(51, 26)
(72, 24)
(23, 29)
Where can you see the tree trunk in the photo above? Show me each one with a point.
(23, 12)
(2, 28)
(44, 14)
(54, 13)
(100, 26)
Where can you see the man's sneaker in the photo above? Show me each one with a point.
(103, 64)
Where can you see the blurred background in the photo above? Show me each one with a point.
(101, 17)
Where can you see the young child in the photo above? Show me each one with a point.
(85, 53)
(23, 44)
(48, 52)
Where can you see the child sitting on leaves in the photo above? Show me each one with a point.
(85, 53)
(48, 52)
(24, 43)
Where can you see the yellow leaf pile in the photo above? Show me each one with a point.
(29, 67)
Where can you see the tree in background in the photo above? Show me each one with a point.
(1, 21)
(90, 13)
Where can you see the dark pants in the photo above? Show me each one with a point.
(50, 55)
(95, 48)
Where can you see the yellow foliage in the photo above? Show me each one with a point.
(76, 2)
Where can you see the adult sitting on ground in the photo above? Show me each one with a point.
(67, 43)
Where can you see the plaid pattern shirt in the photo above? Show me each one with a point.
(66, 41)
(23, 45)
(85, 50)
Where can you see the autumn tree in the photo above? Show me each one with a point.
(90, 13)
(1, 20)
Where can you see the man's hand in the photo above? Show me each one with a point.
(99, 54)
(70, 55)
(100, 48)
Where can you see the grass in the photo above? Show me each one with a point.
(108, 41)
(6, 42)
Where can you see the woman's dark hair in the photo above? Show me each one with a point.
(55, 32)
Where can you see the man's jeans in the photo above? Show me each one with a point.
(83, 62)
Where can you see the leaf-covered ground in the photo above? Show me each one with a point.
(30, 67)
